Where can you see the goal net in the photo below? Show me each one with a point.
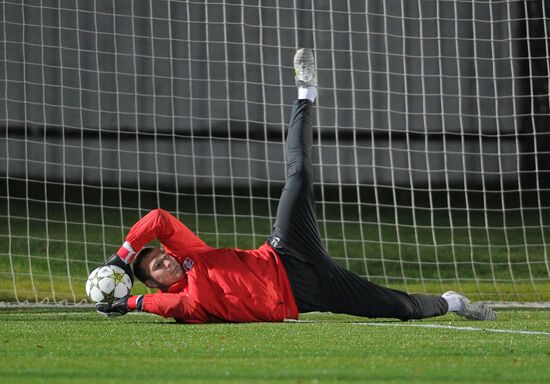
(431, 142)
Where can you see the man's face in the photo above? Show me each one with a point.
(162, 269)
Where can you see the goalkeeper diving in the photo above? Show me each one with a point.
(291, 273)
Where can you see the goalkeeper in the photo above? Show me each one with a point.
(291, 273)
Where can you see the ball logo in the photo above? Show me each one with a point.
(117, 277)
(188, 264)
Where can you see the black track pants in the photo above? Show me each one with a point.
(317, 281)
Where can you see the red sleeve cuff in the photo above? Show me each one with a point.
(122, 252)
(132, 303)
(126, 252)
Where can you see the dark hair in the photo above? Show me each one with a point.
(138, 269)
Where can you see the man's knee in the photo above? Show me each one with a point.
(405, 311)
(299, 171)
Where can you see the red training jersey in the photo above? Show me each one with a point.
(219, 285)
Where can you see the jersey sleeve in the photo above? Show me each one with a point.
(159, 225)
(175, 305)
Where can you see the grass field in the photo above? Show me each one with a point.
(81, 346)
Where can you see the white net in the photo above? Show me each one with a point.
(432, 148)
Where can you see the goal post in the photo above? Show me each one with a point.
(431, 139)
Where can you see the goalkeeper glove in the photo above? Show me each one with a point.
(117, 308)
(116, 260)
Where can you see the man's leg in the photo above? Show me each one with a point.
(295, 232)
(318, 283)
(351, 294)
(296, 219)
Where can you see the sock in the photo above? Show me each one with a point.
(454, 302)
(309, 93)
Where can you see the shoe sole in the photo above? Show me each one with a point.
(305, 59)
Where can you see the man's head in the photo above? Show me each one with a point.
(156, 269)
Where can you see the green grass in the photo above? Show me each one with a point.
(83, 347)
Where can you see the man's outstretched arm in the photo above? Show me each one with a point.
(156, 225)
(173, 305)
(159, 225)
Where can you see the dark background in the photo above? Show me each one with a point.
(195, 96)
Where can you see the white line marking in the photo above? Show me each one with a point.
(457, 328)
(438, 326)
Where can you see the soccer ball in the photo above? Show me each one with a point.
(108, 283)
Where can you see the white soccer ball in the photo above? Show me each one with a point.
(108, 283)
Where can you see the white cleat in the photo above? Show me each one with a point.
(305, 72)
(472, 311)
